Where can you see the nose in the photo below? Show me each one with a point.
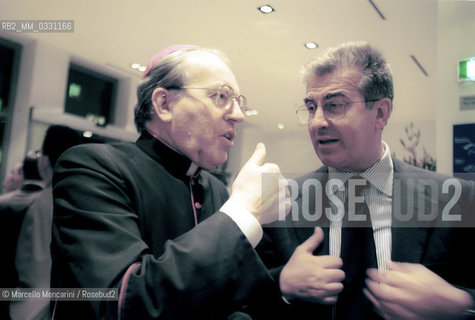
(319, 120)
(234, 113)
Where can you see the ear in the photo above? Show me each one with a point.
(161, 104)
(383, 108)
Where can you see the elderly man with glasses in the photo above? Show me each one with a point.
(148, 219)
(369, 236)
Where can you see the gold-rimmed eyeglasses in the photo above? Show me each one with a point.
(224, 96)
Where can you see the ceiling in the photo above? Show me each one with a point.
(266, 50)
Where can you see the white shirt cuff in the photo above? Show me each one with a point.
(245, 221)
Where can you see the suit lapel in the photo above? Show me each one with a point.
(408, 243)
(303, 233)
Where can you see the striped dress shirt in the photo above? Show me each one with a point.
(378, 197)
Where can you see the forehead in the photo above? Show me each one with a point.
(345, 81)
(206, 68)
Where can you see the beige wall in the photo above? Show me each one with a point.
(434, 110)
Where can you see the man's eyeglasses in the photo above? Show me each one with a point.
(332, 110)
(224, 96)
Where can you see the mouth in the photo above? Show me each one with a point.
(230, 135)
(326, 141)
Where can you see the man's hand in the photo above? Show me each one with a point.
(411, 291)
(312, 278)
(261, 189)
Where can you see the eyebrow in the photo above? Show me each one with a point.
(336, 94)
(328, 96)
(308, 99)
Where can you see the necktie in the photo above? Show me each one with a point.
(358, 253)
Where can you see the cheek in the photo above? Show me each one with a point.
(193, 131)
(354, 140)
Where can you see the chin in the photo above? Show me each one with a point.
(331, 162)
(214, 163)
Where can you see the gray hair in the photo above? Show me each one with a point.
(376, 81)
(169, 73)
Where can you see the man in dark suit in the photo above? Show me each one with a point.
(393, 240)
(148, 219)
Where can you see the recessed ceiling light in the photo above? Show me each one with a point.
(311, 45)
(266, 9)
(281, 126)
(138, 66)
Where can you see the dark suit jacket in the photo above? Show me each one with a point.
(444, 247)
(123, 218)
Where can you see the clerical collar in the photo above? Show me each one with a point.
(175, 163)
(193, 170)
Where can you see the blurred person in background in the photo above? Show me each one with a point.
(28, 232)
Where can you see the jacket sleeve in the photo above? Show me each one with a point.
(206, 274)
